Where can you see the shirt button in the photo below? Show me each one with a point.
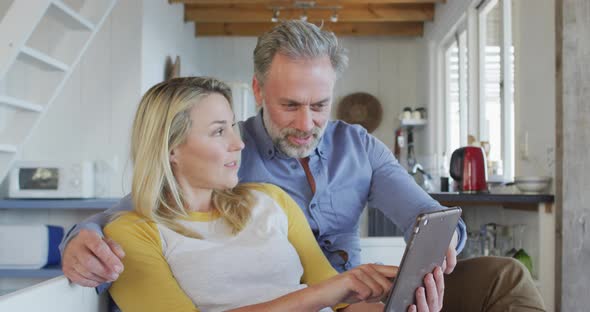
(312, 206)
(269, 152)
(293, 166)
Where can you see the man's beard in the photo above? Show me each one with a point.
(280, 136)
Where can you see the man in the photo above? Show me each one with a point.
(332, 170)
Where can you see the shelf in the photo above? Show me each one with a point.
(7, 148)
(71, 18)
(44, 60)
(48, 272)
(91, 204)
(413, 122)
(20, 104)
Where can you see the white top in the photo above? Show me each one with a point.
(222, 271)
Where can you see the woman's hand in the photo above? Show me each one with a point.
(368, 282)
(430, 297)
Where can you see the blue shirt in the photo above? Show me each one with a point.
(351, 169)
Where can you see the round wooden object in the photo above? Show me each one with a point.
(361, 108)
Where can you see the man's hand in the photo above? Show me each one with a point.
(451, 259)
(90, 260)
(430, 297)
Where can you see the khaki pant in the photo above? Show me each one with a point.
(491, 284)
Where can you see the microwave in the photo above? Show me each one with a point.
(46, 179)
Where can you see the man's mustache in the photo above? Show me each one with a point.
(302, 134)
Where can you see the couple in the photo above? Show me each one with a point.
(197, 240)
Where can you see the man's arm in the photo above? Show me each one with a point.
(397, 195)
(88, 259)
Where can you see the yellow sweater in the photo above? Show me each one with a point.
(275, 254)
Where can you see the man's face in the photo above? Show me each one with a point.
(296, 99)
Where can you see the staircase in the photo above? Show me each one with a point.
(41, 42)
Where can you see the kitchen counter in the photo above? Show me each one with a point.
(539, 210)
(510, 201)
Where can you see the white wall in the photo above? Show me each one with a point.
(165, 34)
(227, 58)
(392, 70)
(534, 41)
(91, 118)
(126, 58)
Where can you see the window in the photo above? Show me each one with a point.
(476, 60)
(496, 76)
(456, 92)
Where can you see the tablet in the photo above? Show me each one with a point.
(425, 250)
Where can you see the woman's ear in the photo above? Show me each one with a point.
(173, 156)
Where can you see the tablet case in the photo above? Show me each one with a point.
(425, 250)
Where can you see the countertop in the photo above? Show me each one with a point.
(512, 201)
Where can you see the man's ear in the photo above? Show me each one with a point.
(257, 91)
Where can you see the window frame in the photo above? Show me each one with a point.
(506, 93)
(453, 36)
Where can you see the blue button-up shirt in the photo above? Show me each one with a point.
(351, 169)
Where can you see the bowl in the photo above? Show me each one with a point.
(532, 184)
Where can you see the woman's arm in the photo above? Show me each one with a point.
(366, 283)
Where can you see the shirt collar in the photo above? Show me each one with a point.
(266, 147)
(264, 142)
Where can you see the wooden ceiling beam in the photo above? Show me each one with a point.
(289, 2)
(412, 29)
(261, 14)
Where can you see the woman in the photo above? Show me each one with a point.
(197, 241)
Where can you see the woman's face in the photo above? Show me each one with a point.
(208, 159)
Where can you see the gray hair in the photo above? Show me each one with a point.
(297, 40)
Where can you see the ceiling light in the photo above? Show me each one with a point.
(304, 16)
(334, 17)
(275, 16)
(303, 6)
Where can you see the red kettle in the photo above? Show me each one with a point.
(468, 168)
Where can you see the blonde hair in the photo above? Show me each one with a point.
(162, 122)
